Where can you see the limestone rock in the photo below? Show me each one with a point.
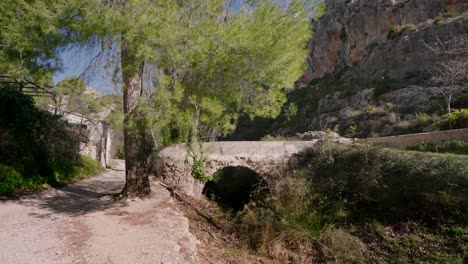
(350, 30)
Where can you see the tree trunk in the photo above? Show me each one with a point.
(449, 102)
(136, 170)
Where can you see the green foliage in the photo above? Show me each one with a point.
(353, 131)
(388, 106)
(388, 185)
(320, 9)
(374, 110)
(358, 204)
(29, 37)
(198, 170)
(70, 86)
(82, 167)
(70, 95)
(423, 119)
(397, 31)
(286, 217)
(213, 66)
(443, 17)
(39, 146)
(455, 147)
(197, 163)
(10, 180)
(291, 111)
(457, 119)
(240, 66)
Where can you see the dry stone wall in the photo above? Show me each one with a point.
(410, 140)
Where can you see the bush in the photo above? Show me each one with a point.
(388, 185)
(320, 211)
(423, 119)
(82, 167)
(397, 31)
(10, 180)
(443, 17)
(455, 147)
(284, 220)
(39, 146)
(455, 120)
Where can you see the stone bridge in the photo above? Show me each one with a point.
(173, 164)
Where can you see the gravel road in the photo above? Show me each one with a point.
(82, 223)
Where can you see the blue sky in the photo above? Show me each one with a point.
(75, 60)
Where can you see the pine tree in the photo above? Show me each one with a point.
(212, 63)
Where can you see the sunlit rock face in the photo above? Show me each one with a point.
(351, 29)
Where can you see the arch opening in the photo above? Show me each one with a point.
(232, 187)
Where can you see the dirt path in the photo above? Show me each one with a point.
(80, 223)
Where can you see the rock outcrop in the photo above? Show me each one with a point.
(351, 30)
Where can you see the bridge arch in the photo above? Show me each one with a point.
(173, 166)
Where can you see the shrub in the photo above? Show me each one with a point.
(455, 147)
(387, 185)
(284, 218)
(82, 167)
(313, 213)
(455, 120)
(10, 180)
(353, 131)
(423, 119)
(397, 31)
(388, 106)
(393, 117)
(290, 112)
(443, 17)
(38, 146)
(374, 110)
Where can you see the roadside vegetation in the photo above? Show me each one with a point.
(37, 148)
(456, 147)
(359, 204)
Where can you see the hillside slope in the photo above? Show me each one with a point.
(372, 70)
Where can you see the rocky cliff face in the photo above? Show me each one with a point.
(350, 30)
(371, 66)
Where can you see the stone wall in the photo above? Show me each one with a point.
(404, 141)
(95, 136)
(173, 164)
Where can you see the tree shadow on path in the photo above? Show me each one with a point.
(87, 196)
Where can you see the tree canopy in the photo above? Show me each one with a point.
(203, 63)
